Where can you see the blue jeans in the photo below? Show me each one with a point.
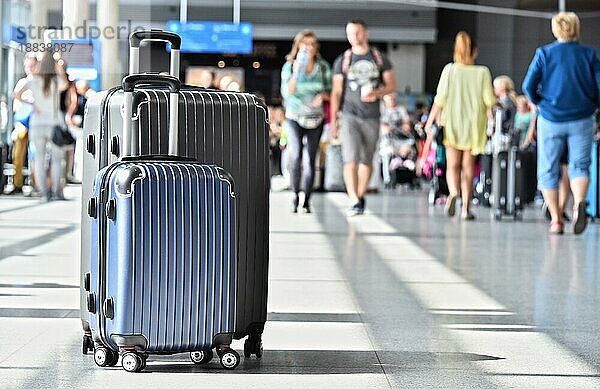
(296, 137)
(553, 140)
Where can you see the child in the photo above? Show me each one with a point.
(504, 88)
(525, 122)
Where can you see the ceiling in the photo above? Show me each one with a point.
(552, 5)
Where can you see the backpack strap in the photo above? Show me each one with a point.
(345, 66)
(346, 61)
(378, 58)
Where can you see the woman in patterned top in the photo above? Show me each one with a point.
(305, 84)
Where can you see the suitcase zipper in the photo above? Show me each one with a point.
(103, 254)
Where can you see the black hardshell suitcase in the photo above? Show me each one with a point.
(505, 200)
(229, 129)
(3, 161)
(484, 193)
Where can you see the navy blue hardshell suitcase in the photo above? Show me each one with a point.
(163, 275)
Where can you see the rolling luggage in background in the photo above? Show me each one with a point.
(334, 169)
(229, 129)
(162, 276)
(528, 170)
(3, 161)
(439, 186)
(504, 199)
(484, 188)
(593, 196)
(513, 175)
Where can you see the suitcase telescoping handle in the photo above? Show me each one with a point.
(130, 141)
(137, 37)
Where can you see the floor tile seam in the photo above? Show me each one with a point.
(308, 280)
(435, 282)
(30, 225)
(280, 258)
(305, 279)
(542, 375)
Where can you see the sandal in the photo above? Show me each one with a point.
(450, 208)
(579, 218)
(557, 228)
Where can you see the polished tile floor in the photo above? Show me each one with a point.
(399, 297)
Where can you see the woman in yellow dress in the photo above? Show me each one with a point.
(462, 106)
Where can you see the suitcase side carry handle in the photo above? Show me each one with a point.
(130, 141)
(137, 37)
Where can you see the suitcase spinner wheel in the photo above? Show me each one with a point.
(519, 216)
(201, 357)
(498, 215)
(133, 362)
(105, 357)
(230, 359)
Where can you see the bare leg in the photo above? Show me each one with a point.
(579, 187)
(564, 190)
(351, 180)
(453, 163)
(551, 198)
(364, 175)
(468, 170)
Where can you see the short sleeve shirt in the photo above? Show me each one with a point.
(47, 104)
(299, 103)
(363, 73)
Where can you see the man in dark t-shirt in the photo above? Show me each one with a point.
(361, 76)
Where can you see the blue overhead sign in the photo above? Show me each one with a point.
(83, 59)
(213, 37)
(14, 34)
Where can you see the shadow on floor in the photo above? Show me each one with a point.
(315, 362)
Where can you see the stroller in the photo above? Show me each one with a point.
(398, 153)
(435, 169)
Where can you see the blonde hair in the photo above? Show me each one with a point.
(508, 85)
(565, 26)
(297, 40)
(522, 99)
(464, 46)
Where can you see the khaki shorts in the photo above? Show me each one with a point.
(359, 138)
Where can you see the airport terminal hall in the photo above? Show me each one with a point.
(300, 194)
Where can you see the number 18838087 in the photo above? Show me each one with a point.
(46, 47)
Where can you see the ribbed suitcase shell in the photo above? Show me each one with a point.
(520, 185)
(226, 128)
(168, 259)
(502, 185)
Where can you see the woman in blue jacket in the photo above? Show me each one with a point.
(563, 80)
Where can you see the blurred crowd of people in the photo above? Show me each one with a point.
(208, 78)
(356, 101)
(48, 120)
(340, 123)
